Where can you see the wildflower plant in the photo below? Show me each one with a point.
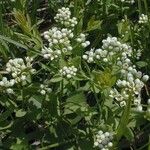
(80, 83)
(19, 69)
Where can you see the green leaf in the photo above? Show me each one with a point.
(19, 145)
(128, 134)
(20, 113)
(47, 68)
(62, 63)
(6, 126)
(5, 115)
(86, 144)
(56, 78)
(104, 79)
(93, 24)
(74, 103)
(76, 61)
(141, 64)
(13, 42)
(36, 100)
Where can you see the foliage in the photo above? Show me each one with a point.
(74, 74)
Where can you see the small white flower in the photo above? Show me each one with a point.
(64, 17)
(19, 68)
(110, 144)
(6, 85)
(44, 89)
(148, 101)
(139, 108)
(122, 104)
(43, 92)
(103, 140)
(69, 72)
(145, 78)
(143, 19)
(9, 91)
(96, 144)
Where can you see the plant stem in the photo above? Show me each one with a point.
(146, 6)
(104, 7)
(60, 97)
(58, 144)
(22, 97)
(96, 98)
(124, 119)
(140, 7)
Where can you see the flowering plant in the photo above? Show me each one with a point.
(78, 84)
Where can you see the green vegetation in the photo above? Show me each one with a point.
(74, 74)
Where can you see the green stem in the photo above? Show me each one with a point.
(104, 7)
(75, 13)
(131, 35)
(61, 89)
(56, 145)
(22, 97)
(59, 144)
(75, 7)
(140, 7)
(96, 98)
(144, 146)
(146, 6)
(124, 120)
(60, 97)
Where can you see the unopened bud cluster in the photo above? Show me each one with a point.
(6, 85)
(89, 56)
(107, 54)
(60, 39)
(143, 19)
(82, 40)
(68, 72)
(44, 89)
(115, 53)
(48, 53)
(20, 69)
(130, 85)
(103, 140)
(56, 36)
(64, 17)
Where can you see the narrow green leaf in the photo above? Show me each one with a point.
(13, 42)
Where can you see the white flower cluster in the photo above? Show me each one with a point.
(45, 89)
(82, 40)
(131, 81)
(111, 49)
(48, 53)
(59, 41)
(68, 72)
(62, 40)
(128, 1)
(56, 36)
(89, 56)
(103, 140)
(130, 84)
(64, 17)
(20, 69)
(6, 85)
(143, 19)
